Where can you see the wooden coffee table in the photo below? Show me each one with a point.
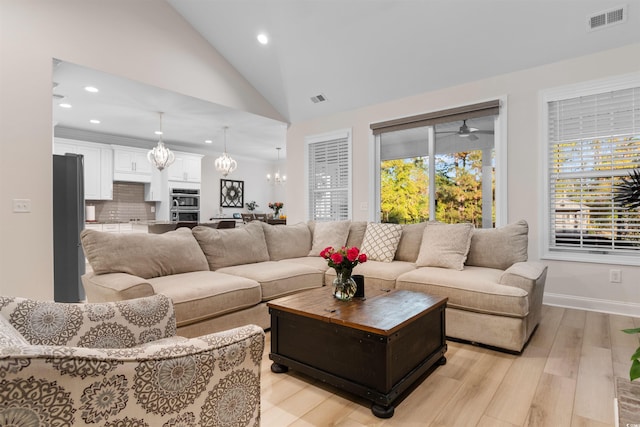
(375, 347)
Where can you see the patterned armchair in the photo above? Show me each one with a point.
(120, 364)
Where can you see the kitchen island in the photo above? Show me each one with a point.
(159, 227)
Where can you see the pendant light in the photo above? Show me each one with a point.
(277, 178)
(160, 156)
(225, 164)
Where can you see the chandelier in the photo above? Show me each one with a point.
(160, 156)
(225, 164)
(277, 177)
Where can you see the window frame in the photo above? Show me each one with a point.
(589, 88)
(321, 138)
(500, 149)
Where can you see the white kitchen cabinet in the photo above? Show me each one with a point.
(157, 190)
(98, 174)
(111, 228)
(131, 164)
(122, 227)
(92, 170)
(93, 226)
(186, 168)
(106, 174)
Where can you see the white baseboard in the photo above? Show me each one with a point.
(592, 304)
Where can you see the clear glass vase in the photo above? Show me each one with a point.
(344, 287)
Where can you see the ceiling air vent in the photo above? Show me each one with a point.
(607, 18)
(318, 98)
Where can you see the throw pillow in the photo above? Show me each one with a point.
(445, 245)
(329, 233)
(499, 247)
(381, 241)
(232, 246)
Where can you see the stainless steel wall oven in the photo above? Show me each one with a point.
(185, 204)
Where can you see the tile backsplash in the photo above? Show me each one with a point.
(128, 204)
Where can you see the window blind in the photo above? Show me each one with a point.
(329, 177)
(593, 140)
(488, 108)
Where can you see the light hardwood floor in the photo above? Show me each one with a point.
(565, 377)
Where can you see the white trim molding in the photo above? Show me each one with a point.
(592, 304)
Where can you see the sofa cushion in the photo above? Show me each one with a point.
(143, 255)
(381, 275)
(317, 263)
(202, 295)
(499, 247)
(329, 233)
(287, 241)
(444, 245)
(232, 246)
(381, 241)
(357, 229)
(474, 289)
(409, 244)
(279, 278)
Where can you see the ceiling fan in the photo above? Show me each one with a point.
(467, 132)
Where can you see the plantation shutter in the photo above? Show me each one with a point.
(329, 166)
(593, 141)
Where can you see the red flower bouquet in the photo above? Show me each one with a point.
(343, 260)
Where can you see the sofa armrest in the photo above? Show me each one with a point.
(525, 275)
(115, 287)
(209, 380)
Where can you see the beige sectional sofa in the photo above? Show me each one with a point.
(219, 279)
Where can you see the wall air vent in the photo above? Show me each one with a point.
(607, 18)
(318, 98)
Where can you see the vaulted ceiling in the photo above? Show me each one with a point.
(353, 52)
(363, 52)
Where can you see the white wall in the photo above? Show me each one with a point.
(568, 283)
(146, 41)
(254, 174)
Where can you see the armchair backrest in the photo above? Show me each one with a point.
(121, 324)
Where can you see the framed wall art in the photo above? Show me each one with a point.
(231, 193)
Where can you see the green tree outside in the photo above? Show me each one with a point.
(405, 189)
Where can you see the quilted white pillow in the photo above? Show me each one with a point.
(381, 241)
(445, 245)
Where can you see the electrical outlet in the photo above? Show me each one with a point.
(153, 209)
(615, 276)
(22, 205)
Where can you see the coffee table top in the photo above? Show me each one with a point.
(383, 313)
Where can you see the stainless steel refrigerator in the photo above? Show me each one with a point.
(68, 222)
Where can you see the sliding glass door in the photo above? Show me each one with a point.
(443, 171)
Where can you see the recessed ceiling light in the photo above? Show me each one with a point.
(91, 89)
(208, 141)
(65, 105)
(158, 132)
(94, 121)
(262, 38)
